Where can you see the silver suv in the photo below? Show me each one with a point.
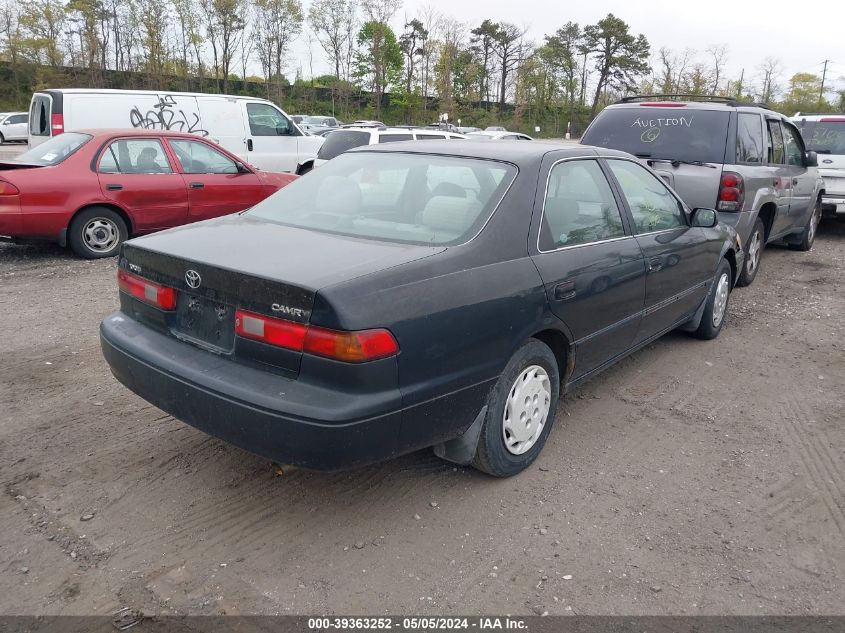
(744, 160)
(825, 135)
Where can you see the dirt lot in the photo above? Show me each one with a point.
(694, 477)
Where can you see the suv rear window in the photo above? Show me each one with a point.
(668, 133)
(824, 137)
(340, 141)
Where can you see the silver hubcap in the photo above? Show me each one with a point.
(526, 410)
(814, 224)
(754, 251)
(101, 235)
(720, 302)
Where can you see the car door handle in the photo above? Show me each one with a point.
(655, 264)
(565, 291)
(114, 187)
(197, 185)
(249, 144)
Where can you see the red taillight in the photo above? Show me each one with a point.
(731, 192)
(669, 104)
(155, 294)
(8, 189)
(57, 123)
(350, 347)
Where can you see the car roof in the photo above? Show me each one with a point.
(716, 106)
(139, 132)
(516, 153)
(818, 116)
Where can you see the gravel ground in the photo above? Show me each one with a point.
(692, 478)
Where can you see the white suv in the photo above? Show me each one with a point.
(346, 138)
(825, 135)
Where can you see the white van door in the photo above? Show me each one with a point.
(272, 140)
(223, 122)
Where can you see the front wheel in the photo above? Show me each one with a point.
(809, 234)
(97, 232)
(716, 304)
(520, 411)
(753, 254)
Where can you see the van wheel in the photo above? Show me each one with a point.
(520, 411)
(97, 232)
(753, 254)
(716, 306)
(808, 236)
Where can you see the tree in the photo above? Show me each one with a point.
(411, 42)
(803, 94)
(381, 10)
(190, 38)
(562, 53)
(154, 20)
(770, 71)
(333, 24)
(225, 21)
(508, 50)
(44, 22)
(620, 57)
(277, 23)
(482, 38)
(379, 59)
(719, 55)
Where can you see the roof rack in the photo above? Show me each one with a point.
(729, 101)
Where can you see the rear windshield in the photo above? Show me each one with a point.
(410, 198)
(668, 133)
(824, 137)
(341, 140)
(55, 150)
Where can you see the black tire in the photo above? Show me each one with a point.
(492, 455)
(809, 234)
(751, 266)
(713, 319)
(93, 226)
(2, 139)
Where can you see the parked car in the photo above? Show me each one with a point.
(825, 135)
(93, 189)
(314, 124)
(324, 132)
(745, 160)
(498, 136)
(366, 123)
(468, 130)
(13, 127)
(495, 128)
(254, 130)
(412, 295)
(346, 138)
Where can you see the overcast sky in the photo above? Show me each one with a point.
(802, 36)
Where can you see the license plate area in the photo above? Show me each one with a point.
(205, 322)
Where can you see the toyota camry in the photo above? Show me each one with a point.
(415, 295)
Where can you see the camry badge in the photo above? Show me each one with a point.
(193, 279)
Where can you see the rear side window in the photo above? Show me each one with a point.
(39, 116)
(265, 120)
(395, 138)
(340, 141)
(826, 136)
(775, 142)
(670, 133)
(431, 137)
(134, 156)
(749, 138)
(579, 207)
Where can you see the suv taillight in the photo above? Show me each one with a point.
(149, 292)
(731, 192)
(349, 347)
(57, 124)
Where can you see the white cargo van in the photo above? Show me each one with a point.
(254, 129)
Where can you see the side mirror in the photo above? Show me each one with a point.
(242, 169)
(811, 159)
(705, 218)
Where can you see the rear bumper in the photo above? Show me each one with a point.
(289, 421)
(833, 205)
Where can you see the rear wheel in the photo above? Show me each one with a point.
(716, 305)
(809, 234)
(520, 411)
(753, 254)
(97, 232)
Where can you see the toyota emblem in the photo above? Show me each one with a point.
(193, 279)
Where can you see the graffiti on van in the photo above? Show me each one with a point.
(163, 116)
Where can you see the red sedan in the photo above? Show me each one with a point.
(94, 189)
